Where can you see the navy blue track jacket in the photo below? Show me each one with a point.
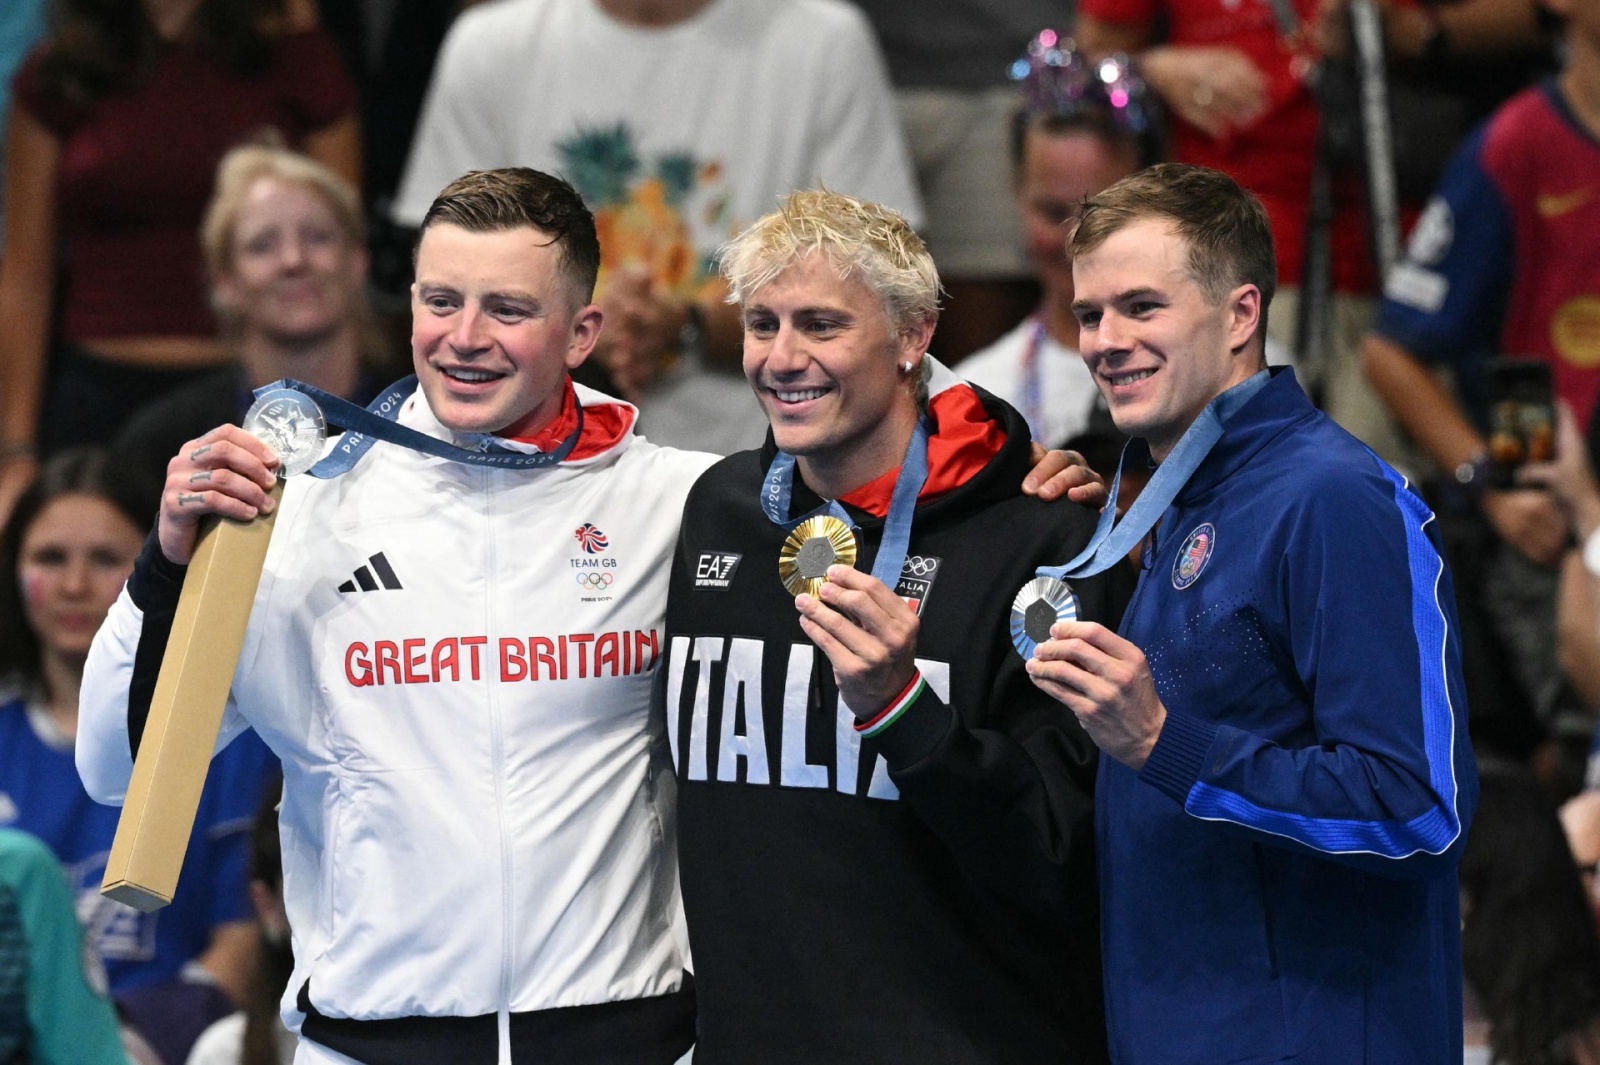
(1278, 881)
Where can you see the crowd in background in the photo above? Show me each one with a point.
(203, 196)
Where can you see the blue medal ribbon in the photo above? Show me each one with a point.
(1112, 540)
(778, 488)
(377, 422)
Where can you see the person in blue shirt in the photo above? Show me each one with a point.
(1285, 781)
(64, 554)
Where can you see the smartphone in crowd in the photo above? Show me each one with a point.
(1522, 416)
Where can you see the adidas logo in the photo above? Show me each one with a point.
(364, 580)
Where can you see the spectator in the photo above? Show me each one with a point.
(1529, 948)
(285, 251)
(118, 122)
(256, 1035)
(53, 1009)
(1504, 260)
(679, 122)
(1570, 480)
(1078, 131)
(947, 61)
(64, 554)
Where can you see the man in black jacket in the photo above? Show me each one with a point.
(885, 829)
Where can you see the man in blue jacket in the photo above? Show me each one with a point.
(1285, 779)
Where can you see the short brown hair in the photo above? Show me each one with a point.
(489, 201)
(1229, 237)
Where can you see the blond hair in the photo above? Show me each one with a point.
(868, 242)
(238, 173)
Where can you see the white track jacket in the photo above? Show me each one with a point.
(454, 664)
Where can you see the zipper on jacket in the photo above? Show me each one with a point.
(498, 753)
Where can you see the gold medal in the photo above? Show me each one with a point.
(815, 544)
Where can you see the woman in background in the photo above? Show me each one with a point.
(117, 125)
(64, 555)
(285, 253)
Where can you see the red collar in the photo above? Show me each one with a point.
(964, 441)
(604, 424)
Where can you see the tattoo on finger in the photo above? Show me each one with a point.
(203, 475)
(198, 452)
(185, 498)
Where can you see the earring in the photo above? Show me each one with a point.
(905, 367)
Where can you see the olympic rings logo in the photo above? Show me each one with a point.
(593, 580)
(918, 566)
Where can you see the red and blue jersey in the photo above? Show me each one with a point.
(1506, 260)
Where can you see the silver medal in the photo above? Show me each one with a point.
(1039, 604)
(292, 425)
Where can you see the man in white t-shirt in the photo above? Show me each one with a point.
(680, 122)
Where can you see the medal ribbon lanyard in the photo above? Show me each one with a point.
(778, 487)
(377, 422)
(1112, 540)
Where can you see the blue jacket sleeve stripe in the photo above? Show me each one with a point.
(1433, 830)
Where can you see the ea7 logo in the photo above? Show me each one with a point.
(715, 569)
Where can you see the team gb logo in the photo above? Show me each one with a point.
(591, 539)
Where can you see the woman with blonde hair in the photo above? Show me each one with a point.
(285, 251)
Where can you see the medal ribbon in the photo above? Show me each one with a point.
(377, 422)
(1112, 540)
(778, 488)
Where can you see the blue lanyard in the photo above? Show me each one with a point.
(377, 422)
(778, 488)
(1112, 539)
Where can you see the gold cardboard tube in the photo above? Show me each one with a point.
(186, 711)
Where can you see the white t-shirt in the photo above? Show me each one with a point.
(1066, 392)
(223, 1043)
(676, 137)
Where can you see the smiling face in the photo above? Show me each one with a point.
(73, 561)
(292, 272)
(494, 328)
(827, 368)
(1159, 348)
